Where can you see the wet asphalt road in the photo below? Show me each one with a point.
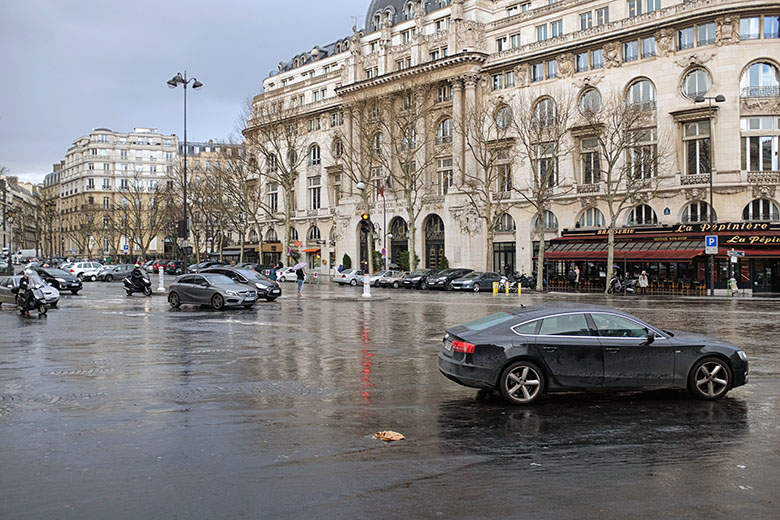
(117, 407)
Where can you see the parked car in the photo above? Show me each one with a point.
(527, 351)
(374, 278)
(85, 270)
(265, 287)
(213, 289)
(394, 279)
(417, 279)
(9, 283)
(59, 279)
(148, 266)
(115, 272)
(159, 263)
(443, 279)
(196, 268)
(288, 275)
(476, 281)
(352, 277)
(5, 266)
(175, 267)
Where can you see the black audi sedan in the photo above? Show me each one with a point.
(417, 279)
(528, 351)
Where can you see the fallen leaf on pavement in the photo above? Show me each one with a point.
(389, 436)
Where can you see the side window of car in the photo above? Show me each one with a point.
(4, 282)
(186, 279)
(529, 328)
(613, 326)
(565, 325)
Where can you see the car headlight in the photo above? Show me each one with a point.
(260, 286)
(742, 355)
(231, 293)
(61, 280)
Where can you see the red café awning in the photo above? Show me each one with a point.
(685, 255)
(312, 250)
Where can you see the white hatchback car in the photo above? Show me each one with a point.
(85, 270)
(288, 275)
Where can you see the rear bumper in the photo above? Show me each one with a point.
(467, 375)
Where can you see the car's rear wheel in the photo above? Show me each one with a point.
(353, 282)
(93, 278)
(521, 382)
(174, 300)
(710, 378)
(80, 276)
(476, 287)
(218, 302)
(109, 277)
(396, 285)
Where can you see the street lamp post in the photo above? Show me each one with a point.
(720, 98)
(3, 188)
(174, 82)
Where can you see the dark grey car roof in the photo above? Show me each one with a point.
(546, 309)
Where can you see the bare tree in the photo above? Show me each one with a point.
(541, 126)
(629, 156)
(82, 226)
(490, 149)
(406, 121)
(276, 137)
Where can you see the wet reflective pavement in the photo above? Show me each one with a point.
(117, 407)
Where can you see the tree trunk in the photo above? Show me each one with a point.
(610, 254)
(540, 257)
(489, 240)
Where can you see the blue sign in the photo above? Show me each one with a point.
(126, 247)
(711, 241)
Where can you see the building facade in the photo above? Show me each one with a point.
(107, 197)
(703, 76)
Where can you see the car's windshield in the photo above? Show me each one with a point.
(421, 272)
(254, 275)
(472, 275)
(56, 272)
(217, 279)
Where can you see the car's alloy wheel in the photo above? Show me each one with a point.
(93, 278)
(396, 285)
(217, 302)
(109, 277)
(710, 378)
(80, 276)
(476, 287)
(174, 300)
(521, 382)
(353, 282)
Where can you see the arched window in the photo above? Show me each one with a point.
(271, 236)
(696, 82)
(503, 117)
(314, 155)
(409, 11)
(590, 101)
(293, 234)
(444, 131)
(696, 212)
(253, 236)
(763, 210)
(591, 217)
(544, 112)
(314, 233)
(642, 215)
(641, 94)
(376, 143)
(761, 79)
(377, 22)
(548, 219)
(505, 223)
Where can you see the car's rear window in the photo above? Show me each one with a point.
(489, 321)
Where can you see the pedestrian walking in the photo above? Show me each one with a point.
(341, 268)
(572, 276)
(643, 282)
(300, 275)
(577, 277)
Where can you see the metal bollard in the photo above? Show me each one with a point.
(495, 287)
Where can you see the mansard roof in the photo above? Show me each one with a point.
(395, 7)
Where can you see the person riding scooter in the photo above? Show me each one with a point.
(25, 286)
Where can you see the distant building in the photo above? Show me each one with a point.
(659, 55)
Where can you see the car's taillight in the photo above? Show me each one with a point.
(463, 346)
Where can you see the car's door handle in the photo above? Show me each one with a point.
(550, 349)
(612, 349)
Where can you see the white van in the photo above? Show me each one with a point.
(23, 255)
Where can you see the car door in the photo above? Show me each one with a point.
(571, 350)
(630, 361)
(6, 296)
(200, 290)
(185, 290)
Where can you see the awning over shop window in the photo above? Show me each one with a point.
(675, 251)
(312, 250)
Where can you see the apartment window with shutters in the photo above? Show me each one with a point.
(586, 21)
(314, 193)
(273, 197)
(590, 160)
(444, 175)
(602, 16)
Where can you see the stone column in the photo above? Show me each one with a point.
(470, 81)
(458, 129)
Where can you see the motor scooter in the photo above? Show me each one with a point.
(36, 301)
(618, 285)
(141, 284)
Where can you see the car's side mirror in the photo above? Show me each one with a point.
(650, 337)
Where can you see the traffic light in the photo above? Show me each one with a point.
(365, 222)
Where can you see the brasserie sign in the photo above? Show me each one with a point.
(730, 233)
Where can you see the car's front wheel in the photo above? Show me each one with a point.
(93, 278)
(710, 378)
(521, 382)
(353, 282)
(218, 302)
(75, 291)
(174, 300)
(476, 287)
(109, 278)
(396, 285)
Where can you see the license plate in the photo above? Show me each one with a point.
(275, 291)
(447, 346)
(249, 300)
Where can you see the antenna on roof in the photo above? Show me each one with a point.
(354, 20)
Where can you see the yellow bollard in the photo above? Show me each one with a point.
(506, 287)
(495, 287)
(519, 289)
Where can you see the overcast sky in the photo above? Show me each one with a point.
(69, 66)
